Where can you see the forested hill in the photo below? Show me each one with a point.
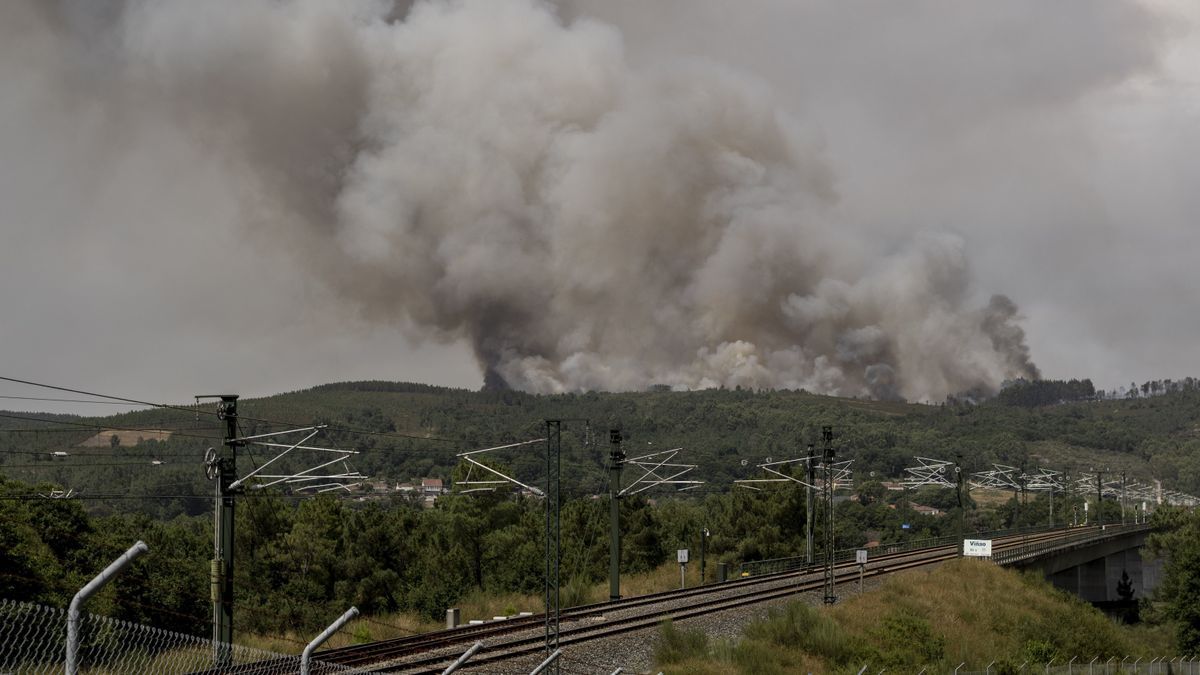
(725, 432)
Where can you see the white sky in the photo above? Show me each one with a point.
(1084, 213)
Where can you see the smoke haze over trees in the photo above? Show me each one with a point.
(585, 205)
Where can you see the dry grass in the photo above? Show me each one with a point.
(480, 605)
(127, 438)
(964, 611)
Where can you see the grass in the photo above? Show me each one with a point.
(479, 605)
(964, 611)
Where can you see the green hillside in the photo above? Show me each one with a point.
(725, 432)
(303, 559)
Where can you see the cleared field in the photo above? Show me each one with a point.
(125, 438)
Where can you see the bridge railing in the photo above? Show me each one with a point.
(1036, 549)
(794, 563)
(33, 642)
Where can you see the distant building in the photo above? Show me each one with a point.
(431, 489)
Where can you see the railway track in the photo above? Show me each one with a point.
(429, 653)
(524, 636)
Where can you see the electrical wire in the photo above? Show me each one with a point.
(67, 465)
(62, 400)
(197, 410)
(102, 427)
(129, 452)
(108, 396)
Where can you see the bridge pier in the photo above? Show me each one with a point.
(1093, 572)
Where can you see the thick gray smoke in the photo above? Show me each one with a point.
(492, 171)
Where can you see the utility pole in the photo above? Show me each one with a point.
(1051, 507)
(615, 459)
(1122, 497)
(1100, 498)
(827, 436)
(553, 532)
(962, 510)
(809, 515)
(1017, 501)
(224, 466)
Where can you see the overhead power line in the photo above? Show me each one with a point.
(61, 400)
(102, 427)
(198, 410)
(107, 396)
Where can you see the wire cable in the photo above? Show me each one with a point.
(62, 400)
(103, 427)
(108, 396)
(197, 410)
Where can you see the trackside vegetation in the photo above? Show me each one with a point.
(301, 560)
(963, 611)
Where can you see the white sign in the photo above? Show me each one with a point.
(977, 547)
(682, 554)
(860, 556)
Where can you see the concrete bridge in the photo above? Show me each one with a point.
(1091, 563)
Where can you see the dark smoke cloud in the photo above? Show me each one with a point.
(585, 209)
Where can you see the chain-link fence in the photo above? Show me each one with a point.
(1127, 666)
(33, 641)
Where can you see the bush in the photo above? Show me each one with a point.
(675, 646)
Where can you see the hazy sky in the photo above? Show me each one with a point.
(1059, 142)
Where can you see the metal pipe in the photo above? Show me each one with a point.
(545, 664)
(463, 659)
(325, 635)
(92, 587)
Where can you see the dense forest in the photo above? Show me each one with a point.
(304, 558)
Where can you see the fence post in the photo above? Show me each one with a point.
(463, 659)
(333, 628)
(72, 665)
(546, 664)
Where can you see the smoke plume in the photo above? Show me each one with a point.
(501, 171)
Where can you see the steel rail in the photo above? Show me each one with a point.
(884, 564)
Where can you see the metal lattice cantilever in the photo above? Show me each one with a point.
(489, 484)
(928, 472)
(999, 477)
(1043, 480)
(841, 475)
(658, 469)
(307, 480)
